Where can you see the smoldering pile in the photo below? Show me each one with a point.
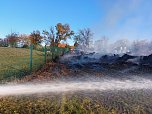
(111, 61)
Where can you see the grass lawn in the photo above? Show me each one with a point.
(15, 62)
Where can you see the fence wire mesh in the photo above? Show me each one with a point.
(15, 62)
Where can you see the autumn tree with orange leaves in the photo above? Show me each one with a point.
(35, 37)
(61, 33)
(12, 39)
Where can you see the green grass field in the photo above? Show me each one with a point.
(15, 62)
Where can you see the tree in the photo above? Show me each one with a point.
(49, 36)
(84, 38)
(76, 44)
(1, 42)
(35, 37)
(4, 42)
(24, 40)
(62, 33)
(12, 39)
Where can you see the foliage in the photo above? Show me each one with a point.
(1, 41)
(12, 39)
(76, 44)
(84, 38)
(35, 37)
(62, 33)
(49, 37)
(24, 40)
(4, 42)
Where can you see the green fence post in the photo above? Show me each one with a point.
(50, 53)
(45, 54)
(31, 59)
(52, 50)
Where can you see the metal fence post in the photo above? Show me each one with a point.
(45, 54)
(52, 49)
(31, 59)
(50, 53)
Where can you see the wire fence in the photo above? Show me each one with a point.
(18, 62)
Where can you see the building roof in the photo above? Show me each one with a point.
(62, 45)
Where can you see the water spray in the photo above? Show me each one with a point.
(73, 86)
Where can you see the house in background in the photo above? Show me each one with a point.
(65, 46)
(62, 45)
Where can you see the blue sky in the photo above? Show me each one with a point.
(116, 19)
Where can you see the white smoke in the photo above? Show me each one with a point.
(129, 19)
(137, 47)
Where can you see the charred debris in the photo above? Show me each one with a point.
(97, 62)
